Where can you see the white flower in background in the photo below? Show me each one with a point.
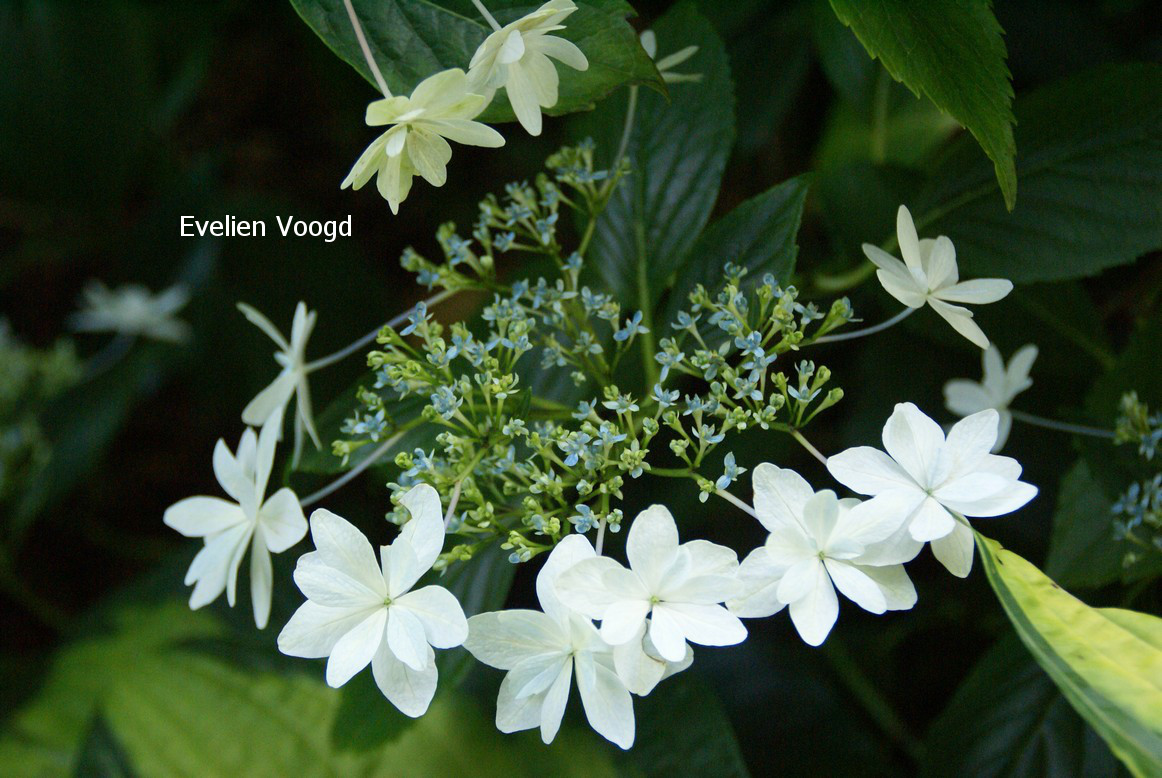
(440, 107)
(293, 378)
(543, 651)
(133, 310)
(650, 44)
(670, 593)
(266, 526)
(818, 544)
(932, 483)
(516, 57)
(360, 611)
(928, 274)
(996, 390)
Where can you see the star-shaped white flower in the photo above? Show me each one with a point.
(670, 593)
(929, 275)
(650, 44)
(996, 390)
(440, 107)
(543, 651)
(133, 310)
(819, 543)
(516, 57)
(264, 525)
(932, 483)
(359, 611)
(293, 378)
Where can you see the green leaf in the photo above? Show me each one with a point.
(682, 730)
(180, 713)
(758, 234)
(1110, 674)
(950, 51)
(677, 150)
(1082, 549)
(413, 39)
(1008, 718)
(1091, 183)
(101, 755)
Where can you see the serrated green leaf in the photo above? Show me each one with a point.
(1091, 183)
(952, 52)
(413, 39)
(1110, 674)
(677, 151)
(758, 234)
(1007, 719)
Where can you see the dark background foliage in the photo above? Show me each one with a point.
(117, 117)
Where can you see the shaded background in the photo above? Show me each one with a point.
(118, 117)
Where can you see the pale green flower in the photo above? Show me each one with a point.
(516, 57)
(133, 310)
(440, 107)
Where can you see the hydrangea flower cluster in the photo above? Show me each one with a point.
(1138, 511)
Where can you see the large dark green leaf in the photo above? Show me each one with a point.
(952, 52)
(758, 234)
(1008, 719)
(413, 39)
(1107, 662)
(1082, 549)
(677, 151)
(1091, 183)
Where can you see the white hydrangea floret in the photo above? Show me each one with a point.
(996, 390)
(515, 57)
(292, 380)
(819, 543)
(649, 42)
(933, 483)
(266, 526)
(543, 651)
(928, 275)
(670, 593)
(441, 108)
(360, 611)
(134, 311)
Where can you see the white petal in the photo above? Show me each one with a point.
(197, 517)
(516, 714)
(366, 166)
(622, 620)
(354, 650)
(877, 519)
(759, 578)
(468, 132)
(232, 477)
(906, 236)
(932, 520)
(939, 262)
(779, 496)
(955, 550)
(342, 546)
(799, 579)
(652, 545)
(979, 291)
(405, 637)
(1017, 375)
(969, 441)
(961, 320)
(585, 586)
(261, 580)
(270, 400)
(639, 671)
(441, 90)
(914, 441)
(439, 612)
(607, 703)
(543, 77)
(430, 154)
(706, 625)
(522, 96)
(896, 549)
(331, 587)
(400, 567)
(212, 566)
(1012, 497)
(563, 51)
(534, 675)
(425, 531)
(856, 586)
(666, 635)
(1003, 427)
(814, 614)
(964, 397)
(266, 325)
(313, 630)
(708, 558)
(282, 521)
(566, 554)
(788, 546)
(409, 690)
(553, 708)
(966, 490)
(820, 515)
(702, 589)
(893, 582)
(868, 470)
(503, 638)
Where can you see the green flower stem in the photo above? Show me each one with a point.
(649, 343)
(807, 445)
(874, 704)
(730, 498)
(366, 49)
(370, 337)
(627, 130)
(487, 16)
(672, 472)
(452, 502)
(1060, 426)
(354, 472)
(899, 317)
